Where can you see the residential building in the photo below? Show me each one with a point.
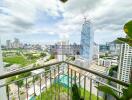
(105, 62)
(104, 48)
(114, 48)
(96, 51)
(62, 49)
(87, 42)
(125, 63)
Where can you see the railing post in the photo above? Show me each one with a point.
(68, 83)
(71, 78)
(59, 82)
(27, 88)
(18, 92)
(55, 82)
(79, 80)
(75, 77)
(7, 92)
(40, 88)
(84, 86)
(45, 80)
(98, 91)
(90, 96)
(51, 84)
(34, 85)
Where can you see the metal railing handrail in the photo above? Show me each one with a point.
(101, 75)
(7, 75)
(87, 70)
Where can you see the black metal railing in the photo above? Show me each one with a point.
(56, 83)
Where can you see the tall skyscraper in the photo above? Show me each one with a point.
(62, 49)
(16, 43)
(3, 95)
(8, 44)
(87, 42)
(125, 63)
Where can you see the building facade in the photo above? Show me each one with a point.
(8, 44)
(16, 43)
(87, 42)
(125, 64)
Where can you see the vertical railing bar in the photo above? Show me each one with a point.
(18, 92)
(90, 96)
(51, 84)
(45, 83)
(63, 70)
(84, 86)
(75, 77)
(34, 85)
(68, 83)
(45, 80)
(98, 91)
(7, 92)
(26, 88)
(40, 88)
(58, 82)
(55, 83)
(71, 77)
(79, 80)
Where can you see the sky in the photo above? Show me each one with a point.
(47, 21)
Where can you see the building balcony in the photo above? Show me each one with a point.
(54, 82)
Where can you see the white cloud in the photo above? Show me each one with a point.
(20, 16)
(107, 16)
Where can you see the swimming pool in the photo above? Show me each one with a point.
(32, 98)
(63, 80)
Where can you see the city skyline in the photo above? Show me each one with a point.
(57, 20)
(65, 49)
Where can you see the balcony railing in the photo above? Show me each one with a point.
(56, 81)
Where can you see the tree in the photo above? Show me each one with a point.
(42, 55)
(20, 83)
(127, 93)
(128, 31)
(76, 93)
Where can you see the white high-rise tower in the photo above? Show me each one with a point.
(3, 95)
(125, 63)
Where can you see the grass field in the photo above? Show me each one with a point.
(18, 60)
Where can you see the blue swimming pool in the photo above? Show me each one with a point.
(32, 98)
(63, 80)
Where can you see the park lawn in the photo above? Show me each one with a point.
(18, 60)
(50, 93)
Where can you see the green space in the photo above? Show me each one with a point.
(53, 92)
(18, 60)
(21, 57)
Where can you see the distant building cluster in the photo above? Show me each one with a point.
(72, 49)
(108, 62)
(17, 44)
(112, 48)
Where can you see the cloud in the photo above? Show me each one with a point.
(20, 17)
(107, 16)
